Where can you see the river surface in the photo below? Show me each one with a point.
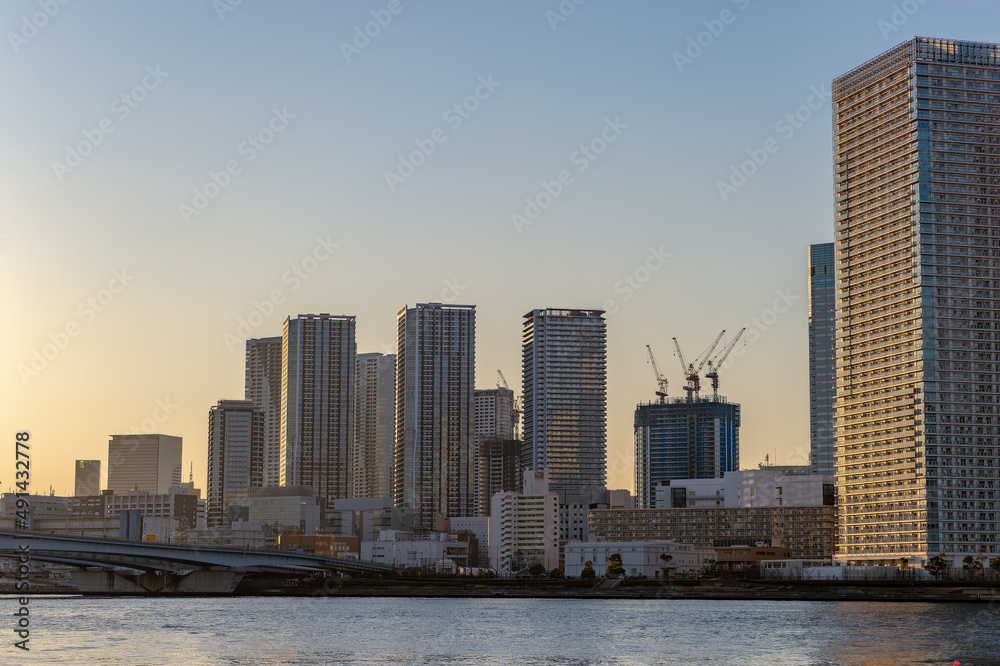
(261, 630)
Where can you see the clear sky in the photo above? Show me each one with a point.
(168, 169)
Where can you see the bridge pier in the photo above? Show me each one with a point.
(201, 581)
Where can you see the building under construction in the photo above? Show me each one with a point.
(689, 437)
(684, 438)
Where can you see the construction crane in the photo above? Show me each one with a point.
(515, 408)
(661, 381)
(692, 371)
(716, 363)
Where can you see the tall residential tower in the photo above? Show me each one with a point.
(236, 430)
(565, 396)
(917, 185)
(435, 374)
(263, 386)
(374, 424)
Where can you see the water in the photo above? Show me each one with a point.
(498, 631)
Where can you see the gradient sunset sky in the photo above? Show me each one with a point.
(169, 283)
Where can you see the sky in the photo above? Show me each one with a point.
(177, 177)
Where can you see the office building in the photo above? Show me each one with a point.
(438, 552)
(524, 526)
(374, 424)
(280, 508)
(144, 462)
(766, 486)
(366, 517)
(916, 163)
(684, 438)
(317, 404)
(88, 478)
(262, 385)
(435, 374)
(822, 353)
(563, 370)
(236, 444)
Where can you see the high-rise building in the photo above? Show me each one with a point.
(263, 387)
(565, 396)
(144, 462)
(374, 424)
(498, 469)
(435, 374)
(494, 413)
(88, 478)
(684, 438)
(822, 381)
(916, 158)
(236, 436)
(317, 404)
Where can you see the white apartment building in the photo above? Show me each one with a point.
(524, 527)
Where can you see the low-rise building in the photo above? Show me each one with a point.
(810, 532)
(769, 485)
(327, 545)
(281, 508)
(366, 517)
(440, 552)
(652, 559)
(736, 558)
(241, 534)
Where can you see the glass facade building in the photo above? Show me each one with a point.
(236, 436)
(917, 185)
(564, 374)
(822, 381)
(684, 438)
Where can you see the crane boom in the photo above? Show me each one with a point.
(661, 381)
(708, 352)
(716, 363)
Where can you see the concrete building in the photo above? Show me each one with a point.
(822, 360)
(374, 424)
(281, 508)
(179, 503)
(766, 486)
(810, 532)
(240, 534)
(918, 359)
(494, 415)
(326, 545)
(317, 404)
(144, 462)
(638, 558)
(575, 508)
(435, 374)
(443, 553)
(479, 526)
(366, 517)
(498, 469)
(524, 526)
(236, 447)
(684, 438)
(262, 385)
(736, 558)
(563, 370)
(88, 478)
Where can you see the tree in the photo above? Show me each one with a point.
(557, 573)
(615, 568)
(588, 570)
(973, 565)
(537, 569)
(937, 565)
(711, 569)
(995, 564)
(903, 563)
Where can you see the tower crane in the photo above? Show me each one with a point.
(716, 363)
(692, 371)
(515, 408)
(661, 381)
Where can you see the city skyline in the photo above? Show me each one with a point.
(654, 191)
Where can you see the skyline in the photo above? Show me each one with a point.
(168, 292)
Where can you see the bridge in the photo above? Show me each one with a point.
(168, 567)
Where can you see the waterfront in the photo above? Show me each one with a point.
(285, 630)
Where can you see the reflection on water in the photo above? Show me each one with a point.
(495, 631)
